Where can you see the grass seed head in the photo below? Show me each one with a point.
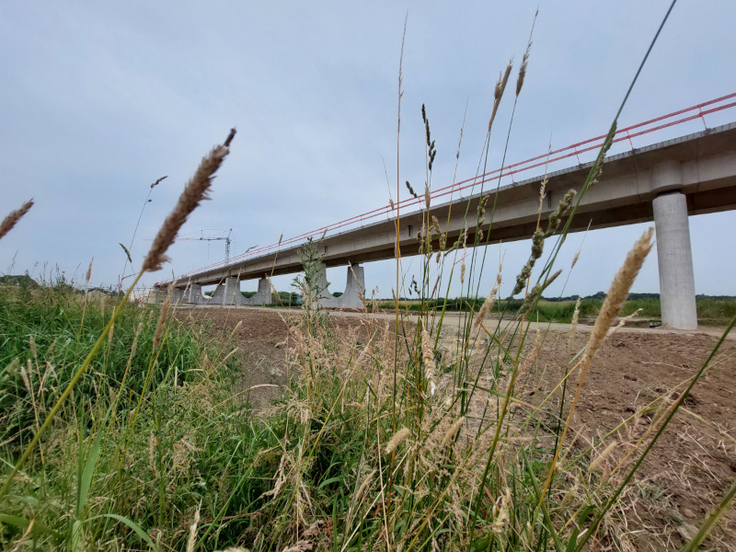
(602, 456)
(573, 325)
(163, 315)
(193, 532)
(13, 218)
(194, 192)
(525, 60)
(127, 253)
(575, 259)
(428, 360)
(562, 209)
(134, 346)
(363, 486)
(498, 92)
(396, 440)
(452, 431)
(88, 276)
(522, 70)
(619, 290)
(488, 303)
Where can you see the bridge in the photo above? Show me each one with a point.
(665, 182)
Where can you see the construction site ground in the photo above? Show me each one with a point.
(683, 478)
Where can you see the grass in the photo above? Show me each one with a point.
(131, 429)
(712, 310)
(121, 430)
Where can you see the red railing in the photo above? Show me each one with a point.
(573, 150)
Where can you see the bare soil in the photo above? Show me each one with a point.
(634, 372)
(694, 462)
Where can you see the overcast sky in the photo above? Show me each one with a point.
(99, 99)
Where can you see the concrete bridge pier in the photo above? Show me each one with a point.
(231, 294)
(674, 254)
(326, 299)
(194, 294)
(218, 295)
(177, 295)
(352, 297)
(262, 297)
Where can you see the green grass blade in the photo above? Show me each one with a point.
(22, 524)
(712, 520)
(133, 525)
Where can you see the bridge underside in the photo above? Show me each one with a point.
(700, 168)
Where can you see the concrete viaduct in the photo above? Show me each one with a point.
(665, 182)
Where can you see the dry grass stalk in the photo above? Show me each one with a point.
(602, 456)
(498, 92)
(573, 325)
(163, 315)
(501, 514)
(525, 59)
(428, 360)
(619, 290)
(12, 219)
(194, 192)
(34, 348)
(624, 321)
(536, 293)
(452, 431)
(193, 533)
(396, 440)
(134, 346)
(364, 486)
(542, 192)
(488, 303)
(575, 259)
(127, 253)
(88, 276)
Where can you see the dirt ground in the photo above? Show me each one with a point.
(694, 462)
(636, 371)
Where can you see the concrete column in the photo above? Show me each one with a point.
(676, 279)
(155, 296)
(193, 294)
(177, 295)
(263, 296)
(218, 296)
(352, 297)
(232, 295)
(326, 299)
(354, 289)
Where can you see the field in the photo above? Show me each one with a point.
(634, 375)
(712, 311)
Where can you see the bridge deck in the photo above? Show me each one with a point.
(704, 163)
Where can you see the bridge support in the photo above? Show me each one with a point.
(676, 278)
(177, 295)
(194, 294)
(352, 297)
(262, 297)
(231, 295)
